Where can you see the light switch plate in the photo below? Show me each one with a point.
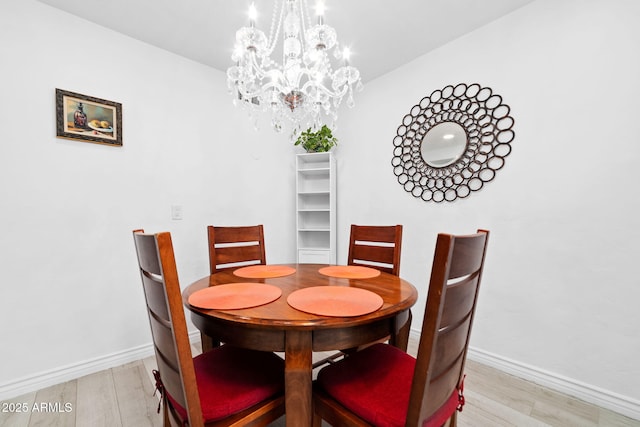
(176, 212)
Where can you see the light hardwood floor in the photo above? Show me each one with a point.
(123, 396)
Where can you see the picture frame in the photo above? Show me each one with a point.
(88, 119)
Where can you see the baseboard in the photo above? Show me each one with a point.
(594, 395)
(63, 374)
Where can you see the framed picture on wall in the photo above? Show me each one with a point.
(88, 119)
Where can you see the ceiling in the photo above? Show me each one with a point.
(382, 34)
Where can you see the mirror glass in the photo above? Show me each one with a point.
(443, 144)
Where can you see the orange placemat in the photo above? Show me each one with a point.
(335, 301)
(233, 296)
(264, 271)
(349, 272)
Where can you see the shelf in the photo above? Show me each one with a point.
(314, 202)
(314, 240)
(314, 161)
(313, 220)
(316, 208)
(314, 183)
(314, 171)
(315, 256)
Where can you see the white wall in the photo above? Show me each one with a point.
(559, 294)
(560, 291)
(70, 288)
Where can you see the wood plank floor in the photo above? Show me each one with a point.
(123, 396)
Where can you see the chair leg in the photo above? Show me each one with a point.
(317, 420)
(402, 328)
(208, 343)
(453, 421)
(166, 422)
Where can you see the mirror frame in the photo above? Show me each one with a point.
(489, 128)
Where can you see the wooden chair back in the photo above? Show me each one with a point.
(168, 327)
(235, 247)
(451, 301)
(376, 247)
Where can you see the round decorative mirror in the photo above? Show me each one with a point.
(452, 142)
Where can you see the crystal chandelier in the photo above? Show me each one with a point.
(304, 90)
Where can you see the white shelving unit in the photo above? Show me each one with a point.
(316, 208)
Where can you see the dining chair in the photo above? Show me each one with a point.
(376, 247)
(235, 247)
(223, 387)
(384, 386)
(379, 247)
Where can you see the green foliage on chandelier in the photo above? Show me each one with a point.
(319, 141)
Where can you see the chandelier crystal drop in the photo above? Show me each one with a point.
(304, 90)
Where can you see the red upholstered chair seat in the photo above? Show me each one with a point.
(365, 384)
(232, 379)
(374, 384)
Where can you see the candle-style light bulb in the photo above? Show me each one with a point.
(320, 8)
(253, 14)
(346, 54)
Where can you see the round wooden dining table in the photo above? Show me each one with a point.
(279, 327)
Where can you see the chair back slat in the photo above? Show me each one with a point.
(379, 254)
(168, 325)
(171, 379)
(164, 342)
(147, 253)
(451, 345)
(239, 234)
(440, 388)
(375, 233)
(453, 291)
(238, 256)
(459, 301)
(155, 295)
(376, 247)
(235, 247)
(467, 257)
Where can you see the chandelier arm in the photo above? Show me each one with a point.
(299, 77)
(334, 94)
(262, 90)
(253, 63)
